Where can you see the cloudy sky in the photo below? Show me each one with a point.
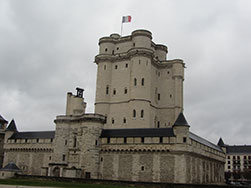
(47, 48)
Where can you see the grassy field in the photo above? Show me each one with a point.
(49, 183)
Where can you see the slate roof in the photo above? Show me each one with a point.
(181, 121)
(33, 135)
(2, 119)
(11, 167)
(12, 126)
(146, 132)
(238, 149)
(204, 141)
(221, 143)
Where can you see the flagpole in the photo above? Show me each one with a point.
(121, 28)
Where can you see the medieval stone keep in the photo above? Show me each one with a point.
(138, 131)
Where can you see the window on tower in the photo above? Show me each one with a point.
(125, 90)
(142, 114)
(74, 141)
(142, 81)
(114, 91)
(135, 81)
(107, 90)
(134, 113)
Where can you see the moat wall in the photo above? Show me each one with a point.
(126, 183)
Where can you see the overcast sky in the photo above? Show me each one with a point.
(47, 48)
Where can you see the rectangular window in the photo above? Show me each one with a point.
(108, 140)
(160, 139)
(158, 96)
(74, 142)
(184, 139)
(125, 140)
(64, 157)
(142, 139)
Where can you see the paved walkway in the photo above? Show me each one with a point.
(20, 186)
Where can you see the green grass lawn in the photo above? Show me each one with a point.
(50, 183)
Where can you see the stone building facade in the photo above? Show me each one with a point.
(138, 131)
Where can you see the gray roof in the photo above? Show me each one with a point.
(2, 119)
(33, 135)
(204, 141)
(181, 121)
(11, 167)
(238, 149)
(221, 143)
(153, 132)
(12, 126)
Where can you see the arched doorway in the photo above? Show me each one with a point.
(56, 172)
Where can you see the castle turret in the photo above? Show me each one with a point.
(75, 103)
(12, 128)
(181, 129)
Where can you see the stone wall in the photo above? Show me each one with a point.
(160, 167)
(30, 162)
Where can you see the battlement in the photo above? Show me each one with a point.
(139, 40)
(84, 117)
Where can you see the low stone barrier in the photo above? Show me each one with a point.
(126, 183)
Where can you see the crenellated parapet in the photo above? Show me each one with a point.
(117, 48)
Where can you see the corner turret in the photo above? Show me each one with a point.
(222, 145)
(10, 130)
(181, 129)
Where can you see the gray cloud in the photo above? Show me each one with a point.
(48, 48)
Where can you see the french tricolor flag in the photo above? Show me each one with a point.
(126, 19)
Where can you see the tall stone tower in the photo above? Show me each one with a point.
(137, 87)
